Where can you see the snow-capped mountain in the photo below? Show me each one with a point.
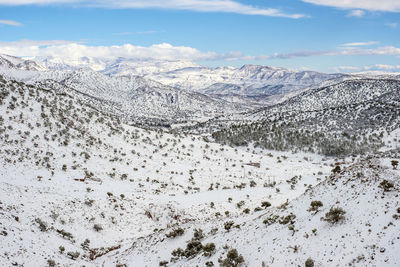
(11, 62)
(248, 84)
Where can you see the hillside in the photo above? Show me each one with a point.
(81, 188)
(133, 99)
(348, 118)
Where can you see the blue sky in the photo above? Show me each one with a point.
(323, 35)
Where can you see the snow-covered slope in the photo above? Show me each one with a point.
(132, 98)
(78, 187)
(11, 62)
(343, 93)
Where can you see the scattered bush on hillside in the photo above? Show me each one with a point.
(334, 215)
(233, 259)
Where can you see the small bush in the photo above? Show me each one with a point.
(336, 169)
(395, 163)
(334, 215)
(309, 263)
(198, 234)
(73, 255)
(288, 219)
(386, 185)
(228, 225)
(208, 249)
(265, 204)
(65, 234)
(175, 233)
(193, 248)
(51, 263)
(233, 259)
(97, 227)
(315, 205)
(163, 263)
(42, 225)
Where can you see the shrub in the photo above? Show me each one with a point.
(198, 234)
(233, 259)
(288, 219)
(315, 205)
(175, 233)
(240, 204)
(386, 185)
(265, 204)
(193, 248)
(334, 215)
(228, 225)
(97, 227)
(208, 249)
(395, 163)
(85, 244)
(178, 253)
(65, 234)
(336, 169)
(73, 255)
(163, 263)
(62, 249)
(309, 263)
(51, 263)
(271, 220)
(42, 225)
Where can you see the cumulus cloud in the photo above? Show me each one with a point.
(227, 6)
(371, 5)
(74, 50)
(10, 22)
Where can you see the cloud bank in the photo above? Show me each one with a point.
(371, 5)
(376, 67)
(225, 6)
(74, 50)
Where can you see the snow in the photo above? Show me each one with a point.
(138, 184)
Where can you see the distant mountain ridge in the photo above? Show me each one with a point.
(249, 83)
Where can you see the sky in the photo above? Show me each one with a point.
(322, 35)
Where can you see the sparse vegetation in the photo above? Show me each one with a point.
(334, 215)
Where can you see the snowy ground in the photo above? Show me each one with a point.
(69, 173)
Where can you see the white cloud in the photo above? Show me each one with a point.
(356, 13)
(392, 25)
(376, 67)
(75, 50)
(348, 51)
(10, 22)
(360, 43)
(371, 5)
(227, 6)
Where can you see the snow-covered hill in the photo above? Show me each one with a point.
(79, 187)
(133, 99)
(11, 62)
(248, 84)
